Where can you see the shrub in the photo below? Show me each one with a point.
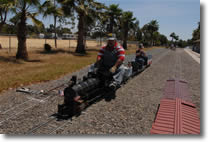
(47, 48)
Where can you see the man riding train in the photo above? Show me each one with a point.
(140, 54)
(111, 58)
(108, 71)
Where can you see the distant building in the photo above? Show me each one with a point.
(69, 36)
(41, 35)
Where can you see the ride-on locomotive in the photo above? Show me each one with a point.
(93, 87)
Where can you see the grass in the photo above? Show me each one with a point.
(43, 67)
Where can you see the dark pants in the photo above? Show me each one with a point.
(144, 58)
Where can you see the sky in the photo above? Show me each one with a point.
(179, 16)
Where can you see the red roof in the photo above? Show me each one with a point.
(176, 114)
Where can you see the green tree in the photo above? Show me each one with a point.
(196, 33)
(113, 13)
(153, 27)
(50, 7)
(174, 37)
(25, 9)
(163, 39)
(137, 31)
(5, 6)
(127, 20)
(148, 30)
(83, 8)
(182, 43)
(146, 38)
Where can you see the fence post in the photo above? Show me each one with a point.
(9, 43)
(69, 44)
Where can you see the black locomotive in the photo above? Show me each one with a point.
(93, 87)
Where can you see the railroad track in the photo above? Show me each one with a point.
(178, 66)
(54, 125)
(26, 105)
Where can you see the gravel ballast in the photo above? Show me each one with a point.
(131, 112)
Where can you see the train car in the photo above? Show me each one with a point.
(92, 88)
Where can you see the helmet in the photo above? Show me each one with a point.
(111, 36)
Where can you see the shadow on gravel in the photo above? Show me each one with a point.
(107, 96)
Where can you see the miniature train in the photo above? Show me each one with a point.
(91, 88)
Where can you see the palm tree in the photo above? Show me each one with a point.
(146, 35)
(196, 33)
(4, 9)
(174, 36)
(25, 9)
(3, 14)
(163, 39)
(136, 30)
(127, 23)
(153, 26)
(50, 8)
(83, 8)
(113, 14)
(156, 36)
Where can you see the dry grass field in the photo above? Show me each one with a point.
(43, 66)
(32, 43)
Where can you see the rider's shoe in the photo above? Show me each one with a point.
(113, 85)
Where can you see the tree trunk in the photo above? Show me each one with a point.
(111, 25)
(125, 37)
(152, 40)
(3, 17)
(55, 38)
(80, 41)
(1, 25)
(21, 36)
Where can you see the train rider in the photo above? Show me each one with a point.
(141, 54)
(112, 56)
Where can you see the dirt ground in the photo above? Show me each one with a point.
(131, 112)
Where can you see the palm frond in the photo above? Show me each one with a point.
(37, 22)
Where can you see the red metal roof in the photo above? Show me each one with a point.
(176, 117)
(177, 89)
(176, 114)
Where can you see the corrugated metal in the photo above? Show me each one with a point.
(176, 114)
(176, 117)
(177, 89)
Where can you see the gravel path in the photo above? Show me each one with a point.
(131, 112)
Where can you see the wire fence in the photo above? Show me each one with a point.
(9, 42)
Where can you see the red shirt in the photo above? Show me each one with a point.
(120, 52)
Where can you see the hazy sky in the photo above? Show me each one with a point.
(179, 16)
